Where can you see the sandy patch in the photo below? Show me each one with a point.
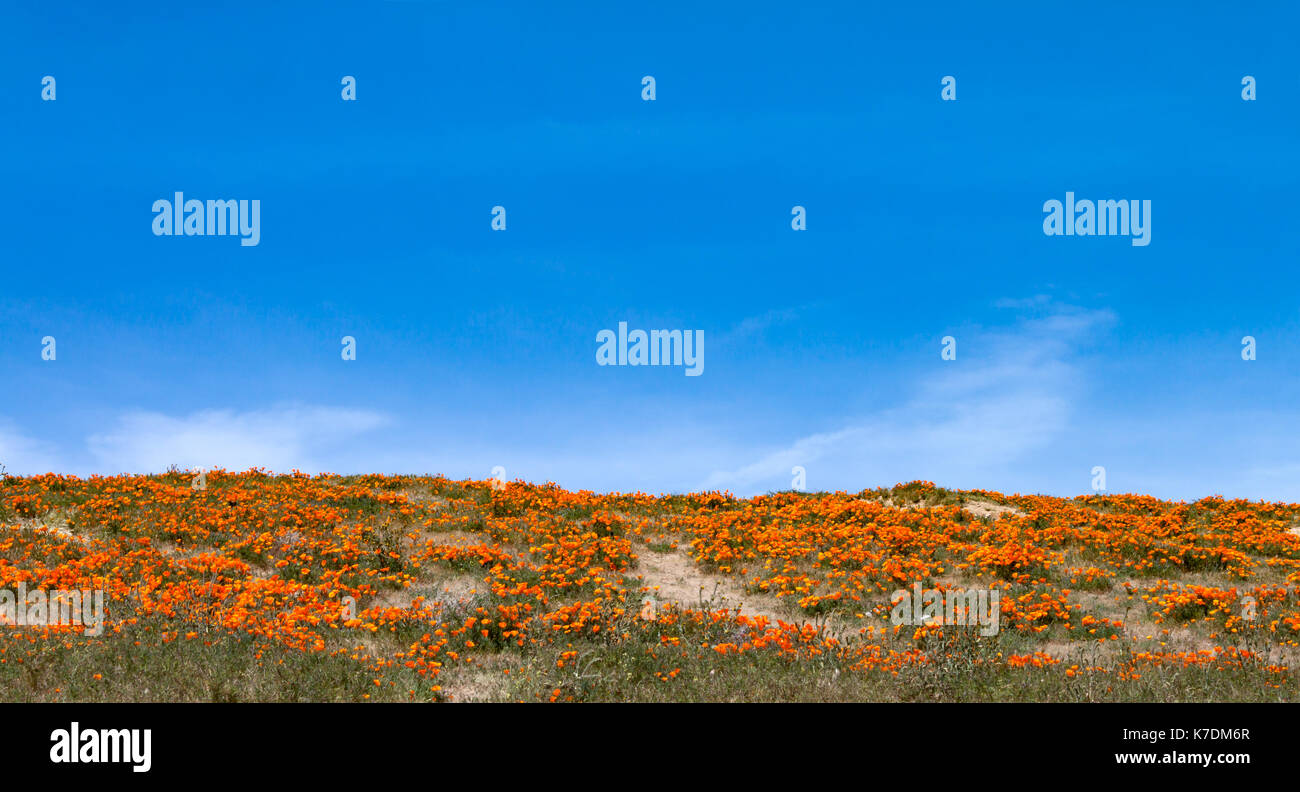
(673, 577)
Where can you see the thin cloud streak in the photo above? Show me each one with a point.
(280, 438)
(1014, 397)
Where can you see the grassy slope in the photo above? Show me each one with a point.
(199, 593)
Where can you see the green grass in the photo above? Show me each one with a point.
(140, 666)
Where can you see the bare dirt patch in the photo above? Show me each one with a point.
(990, 509)
(425, 498)
(977, 508)
(53, 521)
(673, 577)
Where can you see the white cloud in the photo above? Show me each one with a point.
(22, 455)
(280, 438)
(1007, 395)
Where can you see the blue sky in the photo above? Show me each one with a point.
(476, 348)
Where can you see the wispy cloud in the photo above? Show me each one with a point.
(1009, 393)
(280, 438)
(1037, 301)
(24, 455)
(755, 325)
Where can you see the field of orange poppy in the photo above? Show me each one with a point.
(259, 587)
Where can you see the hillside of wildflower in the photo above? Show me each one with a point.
(258, 587)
